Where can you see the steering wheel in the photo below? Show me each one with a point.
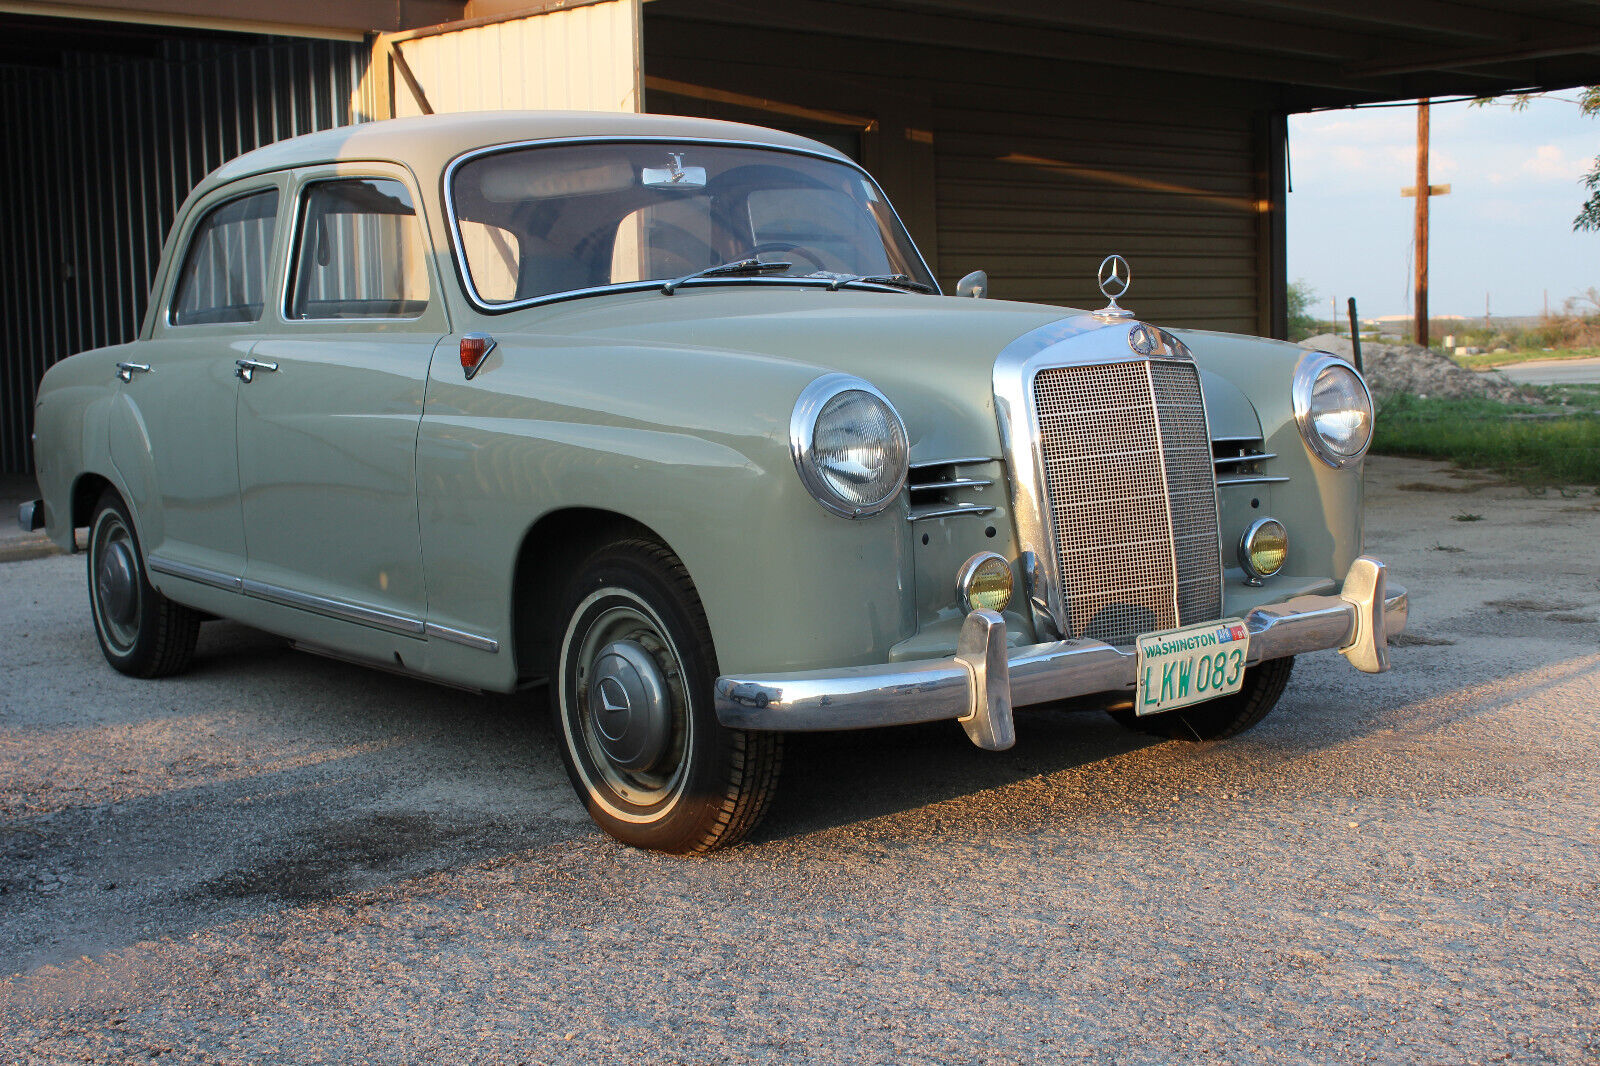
(787, 246)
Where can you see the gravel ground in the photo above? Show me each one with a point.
(277, 858)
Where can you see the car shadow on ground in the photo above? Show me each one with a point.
(331, 780)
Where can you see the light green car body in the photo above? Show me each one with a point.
(371, 499)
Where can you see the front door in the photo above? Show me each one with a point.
(330, 405)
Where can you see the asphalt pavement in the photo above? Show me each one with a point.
(1554, 372)
(276, 858)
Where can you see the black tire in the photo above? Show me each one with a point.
(664, 774)
(141, 632)
(1220, 718)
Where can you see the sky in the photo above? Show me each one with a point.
(1505, 228)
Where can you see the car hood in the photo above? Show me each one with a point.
(933, 357)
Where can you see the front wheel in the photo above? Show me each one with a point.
(1220, 718)
(632, 688)
(141, 632)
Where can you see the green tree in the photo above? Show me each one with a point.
(1302, 298)
(1589, 217)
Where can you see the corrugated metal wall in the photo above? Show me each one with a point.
(1032, 170)
(98, 158)
(585, 58)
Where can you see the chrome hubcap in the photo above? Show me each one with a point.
(119, 593)
(626, 711)
(114, 582)
(630, 707)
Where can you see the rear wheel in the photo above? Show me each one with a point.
(632, 697)
(1220, 718)
(141, 632)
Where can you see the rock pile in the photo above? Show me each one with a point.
(1392, 368)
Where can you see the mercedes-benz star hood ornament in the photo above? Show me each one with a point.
(1115, 277)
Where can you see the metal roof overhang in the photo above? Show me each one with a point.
(1293, 55)
(1289, 55)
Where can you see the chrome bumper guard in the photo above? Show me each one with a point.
(979, 685)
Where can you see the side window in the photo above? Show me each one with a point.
(361, 253)
(224, 277)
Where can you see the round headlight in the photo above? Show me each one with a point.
(1263, 548)
(984, 582)
(849, 445)
(1333, 407)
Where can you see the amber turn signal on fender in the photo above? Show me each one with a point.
(475, 348)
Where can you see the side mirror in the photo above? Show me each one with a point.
(975, 284)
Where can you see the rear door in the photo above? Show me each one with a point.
(173, 438)
(327, 423)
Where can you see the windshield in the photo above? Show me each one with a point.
(541, 221)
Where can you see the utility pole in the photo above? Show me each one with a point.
(1422, 191)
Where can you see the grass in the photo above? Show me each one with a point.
(1554, 442)
(1485, 360)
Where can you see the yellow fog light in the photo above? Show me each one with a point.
(984, 582)
(1263, 549)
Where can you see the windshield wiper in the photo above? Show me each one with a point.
(898, 281)
(738, 266)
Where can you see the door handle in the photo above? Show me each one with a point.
(247, 368)
(125, 371)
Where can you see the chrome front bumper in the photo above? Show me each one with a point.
(984, 679)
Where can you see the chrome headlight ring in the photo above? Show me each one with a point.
(1307, 376)
(851, 479)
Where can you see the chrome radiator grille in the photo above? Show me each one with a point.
(1132, 497)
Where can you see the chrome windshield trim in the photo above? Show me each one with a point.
(459, 254)
(198, 574)
(460, 636)
(349, 612)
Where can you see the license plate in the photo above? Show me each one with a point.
(1190, 665)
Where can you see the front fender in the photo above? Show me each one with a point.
(696, 449)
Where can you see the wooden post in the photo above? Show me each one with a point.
(1420, 326)
(1355, 336)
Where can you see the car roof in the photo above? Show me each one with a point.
(429, 142)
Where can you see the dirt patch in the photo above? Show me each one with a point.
(1418, 640)
(1428, 486)
(1530, 603)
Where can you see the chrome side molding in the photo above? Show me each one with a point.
(198, 574)
(361, 614)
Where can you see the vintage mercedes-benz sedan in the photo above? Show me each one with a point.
(668, 419)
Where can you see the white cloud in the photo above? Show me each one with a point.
(1550, 162)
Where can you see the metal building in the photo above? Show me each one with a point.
(1025, 137)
